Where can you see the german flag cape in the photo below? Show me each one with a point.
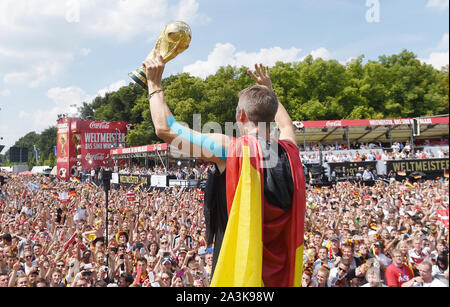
(262, 245)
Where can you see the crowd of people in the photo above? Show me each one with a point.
(197, 171)
(398, 151)
(355, 236)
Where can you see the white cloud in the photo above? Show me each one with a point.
(39, 38)
(62, 99)
(225, 54)
(85, 51)
(321, 53)
(5, 93)
(67, 96)
(437, 59)
(441, 5)
(439, 55)
(112, 88)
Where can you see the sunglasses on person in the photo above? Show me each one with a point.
(343, 270)
(164, 243)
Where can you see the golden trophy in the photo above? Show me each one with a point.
(173, 40)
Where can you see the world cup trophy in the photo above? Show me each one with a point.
(173, 40)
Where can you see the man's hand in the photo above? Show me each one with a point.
(262, 77)
(154, 69)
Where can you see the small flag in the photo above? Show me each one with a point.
(373, 226)
(72, 193)
(138, 186)
(446, 174)
(55, 195)
(131, 196)
(63, 197)
(90, 185)
(417, 176)
(401, 173)
(318, 189)
(409, 184)
(76, 179)
(45, 186)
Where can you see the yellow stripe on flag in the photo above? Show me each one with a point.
(298, 266)
(241, 254)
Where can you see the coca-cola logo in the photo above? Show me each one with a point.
(62, 160)
(336, 123)
(96, 157)
(99, 125)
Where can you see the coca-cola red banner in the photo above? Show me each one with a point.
(84, 144)
(370, 122)
(62, 148)
(97, 139)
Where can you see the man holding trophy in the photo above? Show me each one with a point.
(255, 200)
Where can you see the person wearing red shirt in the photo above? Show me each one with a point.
(397, 273)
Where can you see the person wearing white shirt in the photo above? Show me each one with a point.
(425, 278)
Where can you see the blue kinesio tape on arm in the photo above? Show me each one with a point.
(201, 140)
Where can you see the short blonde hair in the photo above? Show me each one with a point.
(259, 103)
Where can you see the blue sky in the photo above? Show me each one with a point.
(57, 53)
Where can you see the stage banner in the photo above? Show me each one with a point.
(134, 180)
(159, 181)
(351, 167)
(97, 138)
(62, 149)
(430, 168)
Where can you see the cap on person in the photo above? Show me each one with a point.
(165, 260)
(334, 238)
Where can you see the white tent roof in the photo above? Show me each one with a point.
(54, 171)
(39, 169)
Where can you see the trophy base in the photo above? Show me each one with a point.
(139, 77)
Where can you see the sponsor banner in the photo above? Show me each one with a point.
(370, 122)
(351, 167)
(432, 168)
(159, 181)
(131, 180)
(97, 139)
(140, 149)
(62, 149)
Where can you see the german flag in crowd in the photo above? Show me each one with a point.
(446, 174)
(138, 186)
(55, 195)
(72, 193)
(76, 179)
(44, 185)
(401, 173)
(318, 189)
(417, 176)
(409, 184)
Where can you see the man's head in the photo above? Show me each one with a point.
(4, 280)
(425, 269)
(125, 280)
(257, 104)
(397, 257)
(323, 253)
(343, 267)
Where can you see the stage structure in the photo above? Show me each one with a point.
(85, 144)
(415, 130)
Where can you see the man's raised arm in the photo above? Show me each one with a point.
(209, 147)
(282, 118)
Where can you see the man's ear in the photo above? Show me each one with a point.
(242, 116)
